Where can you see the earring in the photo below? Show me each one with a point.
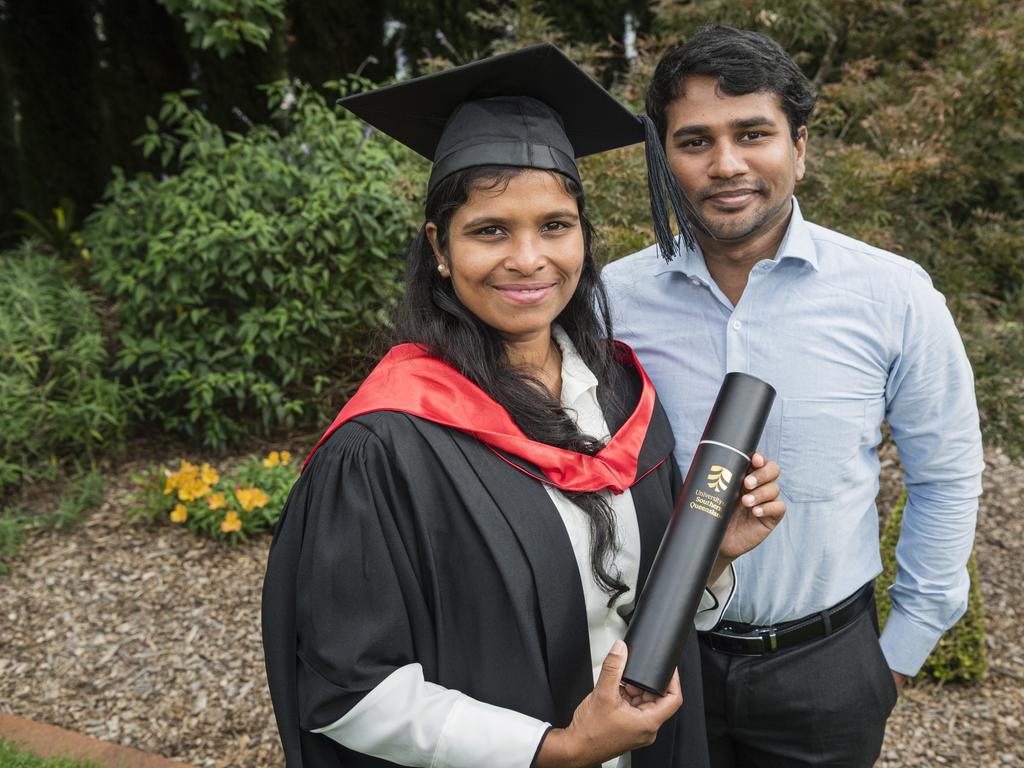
(443, 269)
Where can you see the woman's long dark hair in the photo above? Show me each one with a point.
(432, 315)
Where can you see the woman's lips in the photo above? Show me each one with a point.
(525, 293)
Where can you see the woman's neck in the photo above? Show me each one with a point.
(538, 356)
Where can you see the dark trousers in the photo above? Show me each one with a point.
(823, 703)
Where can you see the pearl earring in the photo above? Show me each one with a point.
(443, 269)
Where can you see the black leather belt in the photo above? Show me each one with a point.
(748, 640)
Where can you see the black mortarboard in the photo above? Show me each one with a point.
(531, 108)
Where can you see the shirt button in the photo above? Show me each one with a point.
(736, 325)
(695, 281)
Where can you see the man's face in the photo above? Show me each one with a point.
(734, 158)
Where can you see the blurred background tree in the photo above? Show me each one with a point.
(915, 146)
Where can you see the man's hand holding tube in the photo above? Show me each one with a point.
(759, 510)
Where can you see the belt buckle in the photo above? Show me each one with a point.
(769, 638)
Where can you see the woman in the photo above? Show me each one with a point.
(469, 537)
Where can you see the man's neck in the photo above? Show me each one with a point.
(730, 262)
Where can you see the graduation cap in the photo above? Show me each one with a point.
(531, 108)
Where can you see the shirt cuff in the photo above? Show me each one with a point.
(478, 734)
(409, 721)
(715, 600)
(905, 644)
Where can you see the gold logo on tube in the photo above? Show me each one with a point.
(719, 478)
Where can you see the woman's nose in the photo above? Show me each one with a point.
(526, 255)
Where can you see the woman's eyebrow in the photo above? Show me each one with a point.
(491, 221)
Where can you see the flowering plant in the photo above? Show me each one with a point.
(243, 500)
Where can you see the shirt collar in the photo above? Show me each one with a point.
(796, 244)
(577, 378)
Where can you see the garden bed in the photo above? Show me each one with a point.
(148, 636)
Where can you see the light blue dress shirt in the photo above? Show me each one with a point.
(849, 335)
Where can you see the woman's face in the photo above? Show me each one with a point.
(515, 253)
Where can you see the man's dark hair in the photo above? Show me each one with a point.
(431, 314)
(743, 61)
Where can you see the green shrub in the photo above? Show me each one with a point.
(960, 654)
(225, 27)
(55, 404)
(247, 499)
(82, 494)
(13, 756)
(257, 271)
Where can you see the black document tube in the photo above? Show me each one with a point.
(664, 614)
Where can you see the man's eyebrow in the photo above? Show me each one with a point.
(752, 122)
(746, 122)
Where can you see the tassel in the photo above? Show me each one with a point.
(662, 185)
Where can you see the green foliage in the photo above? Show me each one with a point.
(82, 494)
(617, 202)
(922, 157)
(915, 147)
(55, 404)
(58, 236)
(254, 271)
(13, 756)
(247, 499)
(997, 351)
(960, 654)
(226, 25)
(14, 528)
(515, 25)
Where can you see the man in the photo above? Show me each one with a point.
(850, 336)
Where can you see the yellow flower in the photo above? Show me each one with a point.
(216, 501)
(285, 457)
(231, 522)
(193, 488)
(179, 514)
(272, 460)
(209, 475)
(251, 498)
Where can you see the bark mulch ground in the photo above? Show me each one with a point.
(149, 637)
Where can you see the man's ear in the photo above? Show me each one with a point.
(800, 146)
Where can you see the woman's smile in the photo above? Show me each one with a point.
(515, 253)
(526, 293)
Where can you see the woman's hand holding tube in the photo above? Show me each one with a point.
(759, 510)
(609, 722)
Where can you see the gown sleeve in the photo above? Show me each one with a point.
(344, 616)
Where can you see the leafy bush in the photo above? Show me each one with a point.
(960, 654)
(247, 499)
(225, 27)
(55, 403)
(257, 270)
(83, 493)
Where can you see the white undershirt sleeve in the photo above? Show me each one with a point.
(409, 721)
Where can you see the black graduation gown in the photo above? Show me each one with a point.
(405, 541)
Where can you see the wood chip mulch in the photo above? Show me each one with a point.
(148, 636)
